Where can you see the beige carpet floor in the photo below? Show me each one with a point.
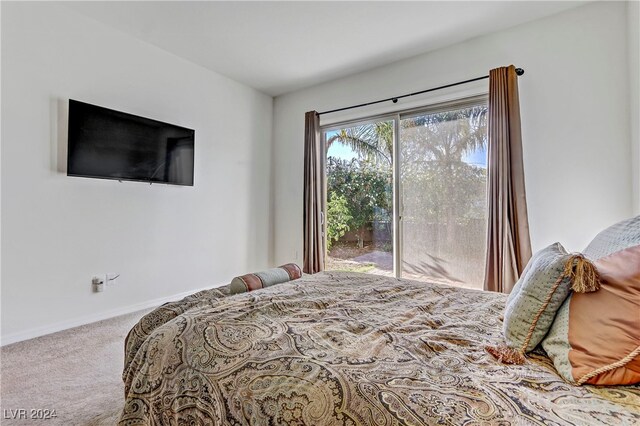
(75, 372)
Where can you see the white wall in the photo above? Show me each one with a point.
(633, 34)
(575, 119)
(58, 231)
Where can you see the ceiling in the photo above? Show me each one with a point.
(277, 47)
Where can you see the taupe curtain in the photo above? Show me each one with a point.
(508, 243)
(313, 249)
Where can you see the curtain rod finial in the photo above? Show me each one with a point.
(519, 71)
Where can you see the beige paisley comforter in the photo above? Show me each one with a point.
(346, 349)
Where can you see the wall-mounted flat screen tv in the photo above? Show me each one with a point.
(109, 144)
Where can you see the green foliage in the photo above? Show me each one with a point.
(365, 187)
(338, 218)
(444, 192)
(441, 187)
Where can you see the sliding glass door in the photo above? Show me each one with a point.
(406, 194)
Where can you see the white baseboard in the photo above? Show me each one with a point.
(88, 319)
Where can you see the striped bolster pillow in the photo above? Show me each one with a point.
(263, 279)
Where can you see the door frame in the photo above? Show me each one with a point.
(396, 118)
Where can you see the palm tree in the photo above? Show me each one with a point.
(446, 136)
(372, 142)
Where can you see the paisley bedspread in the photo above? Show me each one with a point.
(341, 348)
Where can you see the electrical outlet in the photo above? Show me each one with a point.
(98, 284)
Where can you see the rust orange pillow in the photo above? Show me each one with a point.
(604, 327)
(597, 339)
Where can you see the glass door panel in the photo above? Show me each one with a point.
(443, 203)
(359, 215)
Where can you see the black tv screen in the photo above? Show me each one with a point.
(109, 144)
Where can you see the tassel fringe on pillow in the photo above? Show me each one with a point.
(582, 273)
(584, 278)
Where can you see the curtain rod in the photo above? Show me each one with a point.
(519, 71)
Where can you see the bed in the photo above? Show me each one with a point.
(339, 348)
